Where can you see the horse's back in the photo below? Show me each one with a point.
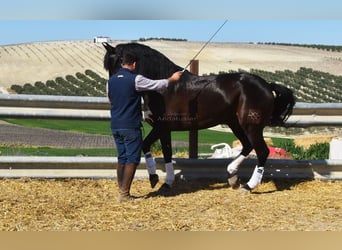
(207, 101)
(250, 94)
(247, 86)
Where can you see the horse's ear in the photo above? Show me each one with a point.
(108, 47)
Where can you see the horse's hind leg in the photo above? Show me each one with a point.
(255, 135)
(233, 167)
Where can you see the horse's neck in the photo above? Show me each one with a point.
(192, 83)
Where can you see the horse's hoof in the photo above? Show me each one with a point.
(245, 189)
(165, 188)
(154, 178)
(234, 181)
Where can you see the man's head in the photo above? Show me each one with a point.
(129, 60)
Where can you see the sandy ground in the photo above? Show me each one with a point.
(42, 61)
(91, 205)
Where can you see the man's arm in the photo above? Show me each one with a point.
(143, 84)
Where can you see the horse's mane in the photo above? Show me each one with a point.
(106, 61)
(151, 63)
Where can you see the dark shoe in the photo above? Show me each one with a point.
(154, 178)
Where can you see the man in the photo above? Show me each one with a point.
(123, 92)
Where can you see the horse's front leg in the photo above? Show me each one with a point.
(150, 163)
(158, 132)
(165, 140)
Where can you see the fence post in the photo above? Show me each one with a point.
(193, 134)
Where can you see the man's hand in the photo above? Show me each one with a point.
(175, 76)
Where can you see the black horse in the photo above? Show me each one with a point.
(245, 102)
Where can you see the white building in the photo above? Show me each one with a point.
(102, 39)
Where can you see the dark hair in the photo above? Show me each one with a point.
(129, 58)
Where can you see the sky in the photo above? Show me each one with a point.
(289, 21)
(327, 32)
(171, 9)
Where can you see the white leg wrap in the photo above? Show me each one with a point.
(170, 175)
(234, 165)
(255, 180)
(150, 163)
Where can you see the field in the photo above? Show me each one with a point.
(75, 67)
(43, 61)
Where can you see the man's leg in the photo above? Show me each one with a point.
(133, 143)
(120, 173)
(128, 176)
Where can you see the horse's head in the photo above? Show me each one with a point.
(151, 63)
(112, 60)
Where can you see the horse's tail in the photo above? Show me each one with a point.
(284, 101)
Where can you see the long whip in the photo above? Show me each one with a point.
(205, 44)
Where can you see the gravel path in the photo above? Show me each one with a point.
(19, 135)
(11, 134)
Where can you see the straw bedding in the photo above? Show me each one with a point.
(201, 205)
(306, 141)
